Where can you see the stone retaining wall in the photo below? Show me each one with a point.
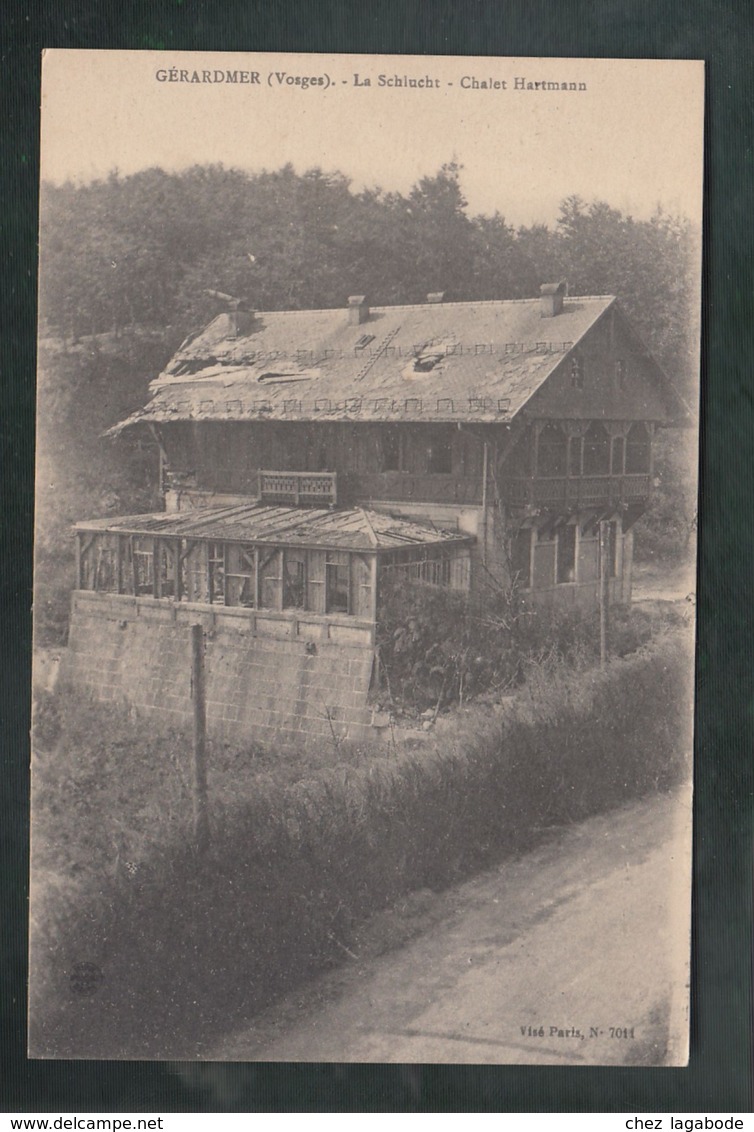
(281, 679)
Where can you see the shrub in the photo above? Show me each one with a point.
(485, 646)
(188, 944)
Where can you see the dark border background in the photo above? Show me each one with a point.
(719, 1077)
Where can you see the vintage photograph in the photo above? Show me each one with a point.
(365, 558)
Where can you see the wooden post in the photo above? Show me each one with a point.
(79, 562)
(604, 587)
(485, 473)
(201, 827)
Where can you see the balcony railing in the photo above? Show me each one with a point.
(580, 491)
(298, 487)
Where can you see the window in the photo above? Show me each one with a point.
(165, 558)
(551, 451)
(240, 578)
(440, 453)
(271, 580)
(566, 562)
(106, 578)
(216, 558)
(638, 446)
(575, 455)
(577, 372)
(596, 451)
(194, 573)
(620, 373)
(143, 565)
(521, 558)
(336, 583)
(294, 580)
(390, 442)
(618, 455)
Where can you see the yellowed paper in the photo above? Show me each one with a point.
(364, 604)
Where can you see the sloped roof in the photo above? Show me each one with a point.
(478, 361)
(346, 529)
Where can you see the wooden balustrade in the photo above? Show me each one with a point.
(578, 491)
(298, 487)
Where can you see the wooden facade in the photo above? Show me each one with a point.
(548, 437)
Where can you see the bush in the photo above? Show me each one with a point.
(486, 646)
(187, 945)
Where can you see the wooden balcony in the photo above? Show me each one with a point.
(580, 491)
(299, 488)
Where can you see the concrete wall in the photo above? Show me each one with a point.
(271, 678)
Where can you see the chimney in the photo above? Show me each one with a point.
(436, 297)
(240, 315)
(551, 298)
(358, 310)
(240, 321)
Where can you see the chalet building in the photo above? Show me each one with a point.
(306, 454)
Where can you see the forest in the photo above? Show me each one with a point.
(127, 264)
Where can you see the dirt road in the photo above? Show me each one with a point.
(573, 953)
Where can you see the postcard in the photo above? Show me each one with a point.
(365, 558)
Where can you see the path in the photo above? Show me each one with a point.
(586, 933)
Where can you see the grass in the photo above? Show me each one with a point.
(303, 849)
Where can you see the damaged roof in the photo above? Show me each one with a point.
(436, 361)
(348, 529)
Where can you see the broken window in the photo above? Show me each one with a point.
(294, 579)
(106, 564)
(440, 452)
(240, 577)
(143, 565)
(216, 563)
(575, 454)
(337, 582)
(638, 446)
(551, 451)
(596, 451)
(271, 580)
(166, 562)
(362, 586)
(431, 566)
(566, 561)
(390, 443)
(195, 573)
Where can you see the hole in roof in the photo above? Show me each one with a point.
(187, 366)
(272, 377)
(430, 354)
